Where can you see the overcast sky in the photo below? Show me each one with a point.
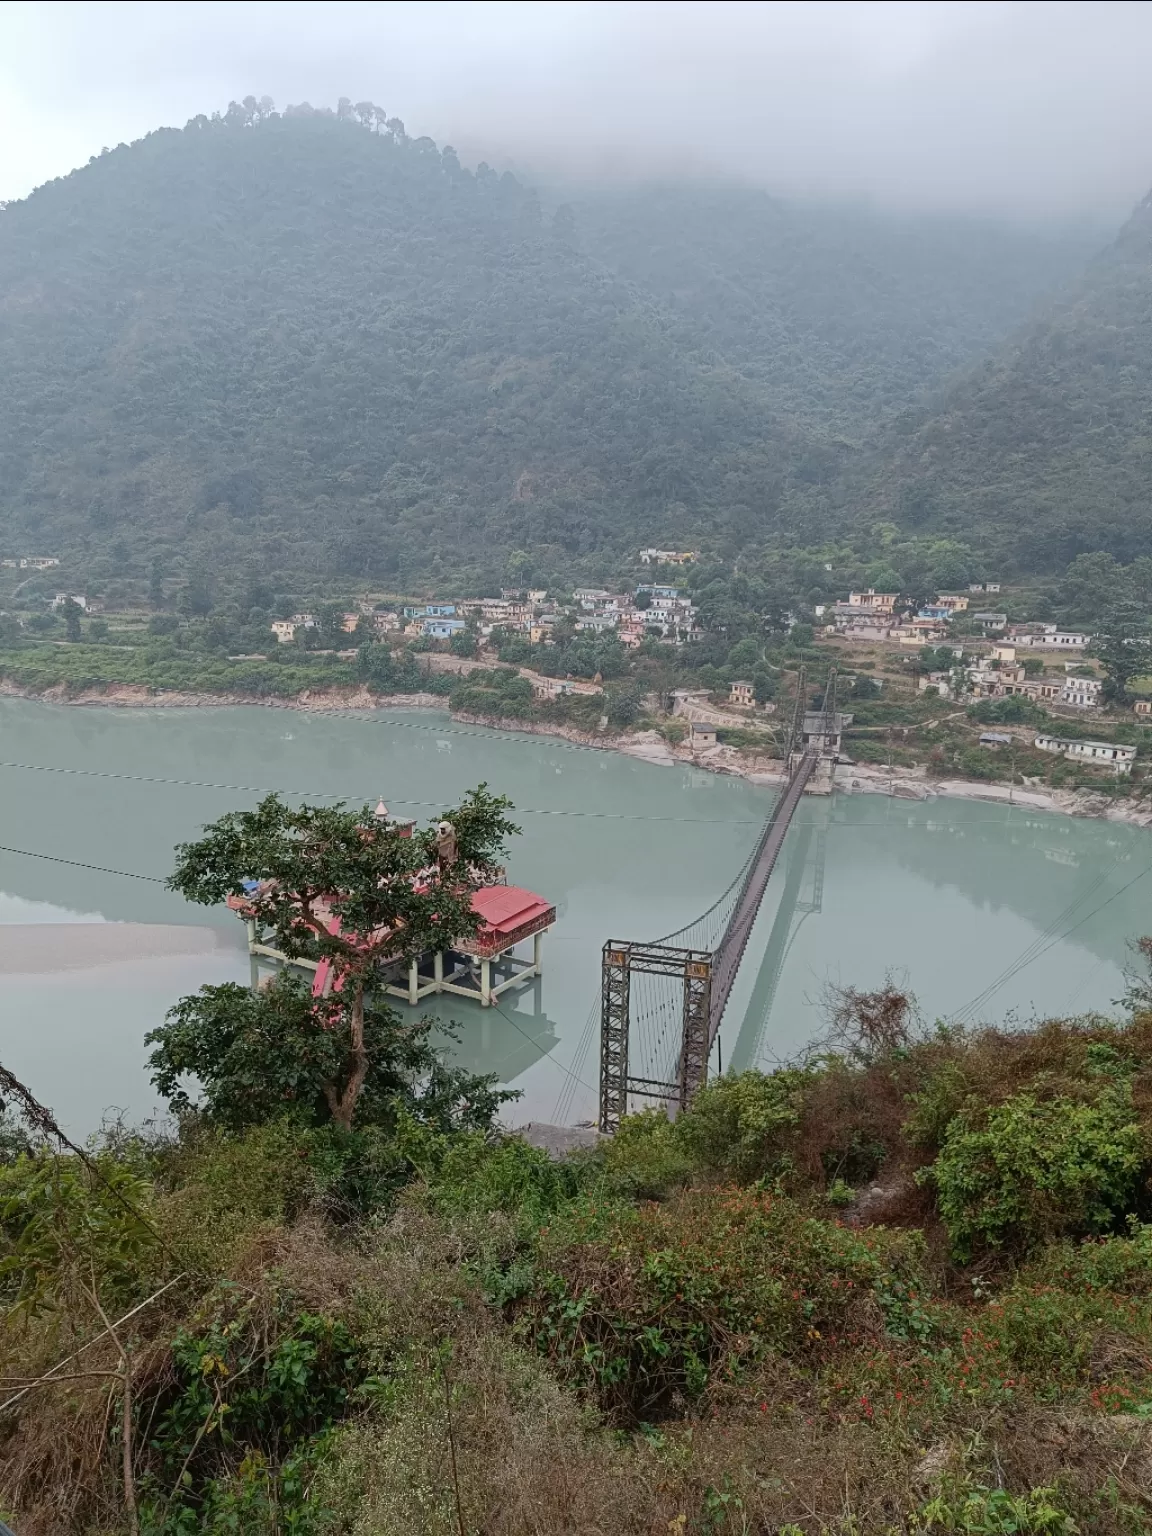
(1041, 108)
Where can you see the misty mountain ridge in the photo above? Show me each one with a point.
(320, 343)
(1043, 452)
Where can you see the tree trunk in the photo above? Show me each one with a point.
(344, 1106)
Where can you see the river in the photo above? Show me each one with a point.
(984, 911)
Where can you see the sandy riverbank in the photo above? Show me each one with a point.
(648, 746)
(31, 949)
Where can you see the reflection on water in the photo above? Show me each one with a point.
(963, 898)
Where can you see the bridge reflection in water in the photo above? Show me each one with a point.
(801, 896)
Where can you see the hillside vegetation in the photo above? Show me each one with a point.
(841, 317)
(320, 346)
(1043, 453)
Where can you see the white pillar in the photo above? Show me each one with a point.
(485, 983)
(413, 983)
(537, 941)
(438, 967)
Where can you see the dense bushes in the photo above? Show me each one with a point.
(649, 1306)
(757, 1316)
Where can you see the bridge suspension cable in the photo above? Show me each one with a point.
(691, 972)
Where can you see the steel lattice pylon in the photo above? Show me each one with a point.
(622, 960)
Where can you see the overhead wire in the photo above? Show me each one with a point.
(545, 1055)
(1050, 937)
(253, 789)
(527, 810)
(103, 869)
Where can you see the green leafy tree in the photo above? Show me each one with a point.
(622, 705)
(764, 686)
(1123, 655)
(72, 612)
(259, 1056)
(745, 655)
(463, 643)
(336, 884)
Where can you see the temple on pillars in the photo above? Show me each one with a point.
(480, 967)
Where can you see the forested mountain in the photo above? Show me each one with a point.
(841, 316)
(1045, 451)
(314, 343)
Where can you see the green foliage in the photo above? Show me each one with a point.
(67, 1229)
(739, 1125)
(1012, 455)
(1030, 1169)
(652, 1304)
(500, 692)
(980, 1511)
(260, 1056)
(667, 369)
(157, 665)
(1013, 709)
(248, 1405)
(365, 871)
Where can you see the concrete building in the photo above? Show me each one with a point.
(742, 693)
(1142, 707)
(667, 556)
(1101, 754)
(284, 630)
(1046, 637)
(442, 629)
(1081, 692)
(881, 602)
(701, 735)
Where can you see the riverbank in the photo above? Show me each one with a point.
(904, 783)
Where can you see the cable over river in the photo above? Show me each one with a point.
(985, 910)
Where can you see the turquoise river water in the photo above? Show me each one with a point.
(985, 911)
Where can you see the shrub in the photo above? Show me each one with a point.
(740, 1125)
(646, 1158)
(1029, 1169)
(649, 1306)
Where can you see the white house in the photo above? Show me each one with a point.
(1104, 754)
(284, 630)
(1052, 639)
(1081, 692)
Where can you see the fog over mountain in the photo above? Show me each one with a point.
(1025, 111)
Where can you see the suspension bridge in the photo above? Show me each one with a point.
(662, 1002)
